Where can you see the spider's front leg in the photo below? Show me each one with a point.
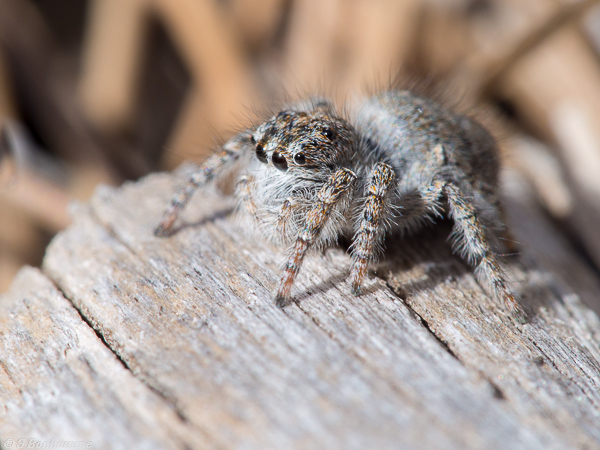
(330, 195)
(370, 229)
(216, 166)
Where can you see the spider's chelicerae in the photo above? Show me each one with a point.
(309, 174)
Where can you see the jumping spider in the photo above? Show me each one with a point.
(309, 175)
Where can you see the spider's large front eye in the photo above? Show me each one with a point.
(279, 161)
(260, 153)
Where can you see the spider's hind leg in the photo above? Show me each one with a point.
(472, 242)
(216, 166)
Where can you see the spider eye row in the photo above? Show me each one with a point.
(279, 161)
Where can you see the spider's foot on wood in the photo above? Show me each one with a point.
(515, 309)
(160, 232)
(282, 300)
(164, 228)
(356, 289)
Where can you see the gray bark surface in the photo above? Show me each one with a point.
(134, 341)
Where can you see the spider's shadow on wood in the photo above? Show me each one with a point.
(426, 247)
(216, 214)
(429, 248)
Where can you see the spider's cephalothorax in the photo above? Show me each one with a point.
(308, 175)
(297, 152)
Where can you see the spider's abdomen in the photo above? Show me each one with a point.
(406, 130)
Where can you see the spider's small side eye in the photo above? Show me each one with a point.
(279, 161)
(328, 133)
(252, 139)
(300, 159)
(260, 153)
(283, 115)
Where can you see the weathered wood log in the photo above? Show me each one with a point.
(132, 341)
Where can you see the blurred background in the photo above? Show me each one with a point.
(104, 91)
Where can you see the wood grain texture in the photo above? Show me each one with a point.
(59, 382)
(423, 359)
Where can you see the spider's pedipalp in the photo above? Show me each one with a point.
(243, 190)
(285, 216)
(330, 195)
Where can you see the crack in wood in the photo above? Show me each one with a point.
(100, 335)
(403, 299)
(496, 391)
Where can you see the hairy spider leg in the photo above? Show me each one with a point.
(330, 195)
(415, 208)
(367, 239)
(471, 242)
(214, 167)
